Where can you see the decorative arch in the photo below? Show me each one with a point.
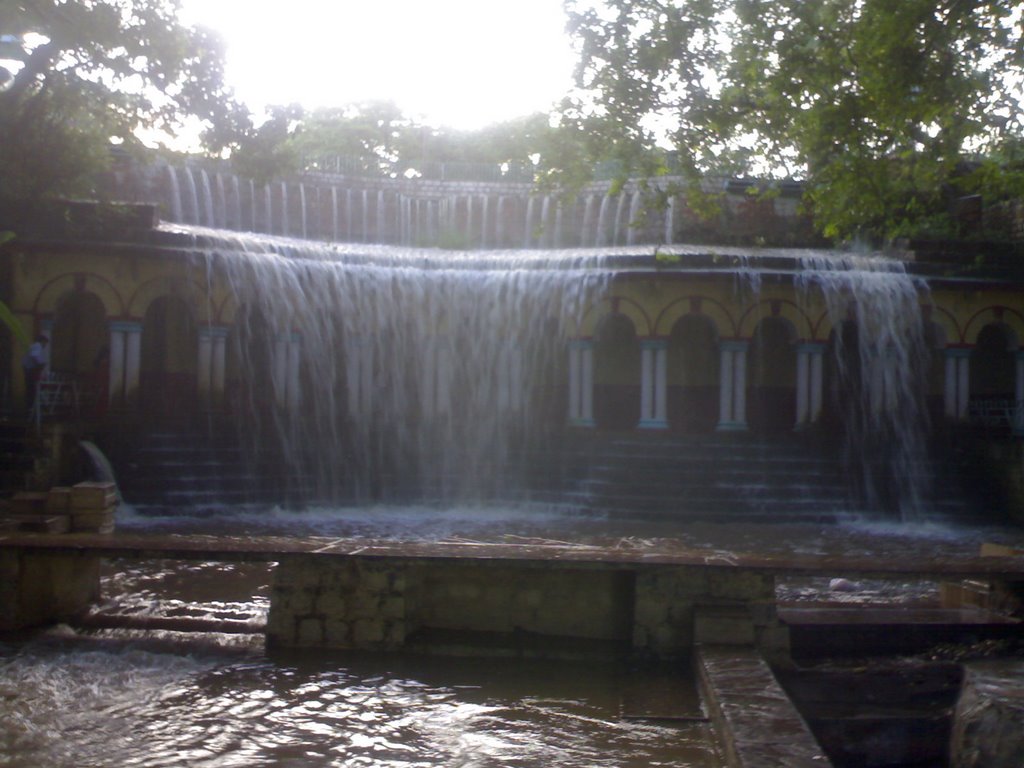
(771, 379)
(783, 309)
(723, 321)
(616, 372)
(53, 292)
(1010, 319)
(946, 321)
(614, 305)
(191, 292)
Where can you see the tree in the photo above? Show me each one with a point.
(89, 72)
(886, 110)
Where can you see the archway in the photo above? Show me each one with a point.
(616, 374)
(80, 335)
(771, 377)
(993, 375)
(167, 377)
(693, 374)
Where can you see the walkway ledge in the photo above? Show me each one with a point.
(755, 721)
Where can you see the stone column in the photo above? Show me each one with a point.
(581, 383)
(210, 369)
(132, 361)
(653, 357)
(957, 382)
(732, 406)
(1018, 404)
(809, 359)
(115, 386)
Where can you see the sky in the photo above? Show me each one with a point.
(463, 64)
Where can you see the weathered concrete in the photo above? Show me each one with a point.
(656, 599)
(756, 723)
(40, 588)
(988, 726)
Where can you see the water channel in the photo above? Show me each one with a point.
(133, 698)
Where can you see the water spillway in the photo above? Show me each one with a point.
(371, 372)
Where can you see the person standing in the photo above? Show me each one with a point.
(33, 364)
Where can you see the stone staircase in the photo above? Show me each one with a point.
(722, 477)
(709, 478)
(164, 471)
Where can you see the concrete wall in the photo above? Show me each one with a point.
(38, 589)
(529, 607)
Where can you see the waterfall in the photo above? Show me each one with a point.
(302, 209)
(285, 217)
(419, 373)
(175, 196)
(382, 222)
(601, 237)
(879, 360)
(207, 197)
(670, 209)
(485, 224)
(349, 216)
(633, 225)
(193, 196)
(268, 209)
(588, 222)
(620, 208)
(528, 235)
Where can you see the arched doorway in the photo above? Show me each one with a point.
(693, 374)
(771, 377)
(993, 376)
(616, 374)
(934, 384)
(170, 351)
(80, 335)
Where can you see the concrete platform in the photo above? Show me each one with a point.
(615, 553)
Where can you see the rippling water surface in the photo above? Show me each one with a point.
(130, 698)
(119, 702)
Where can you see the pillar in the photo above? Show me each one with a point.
(581, 383)
(732, 402)
(1017, 420)
(125, 363)
(210, 368)
(653, 375)
(809, 383)
(957, 383)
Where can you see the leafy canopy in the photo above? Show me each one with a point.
(887, 110)
(77, 74)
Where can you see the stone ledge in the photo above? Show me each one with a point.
(755, 721)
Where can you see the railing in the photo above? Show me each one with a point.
(997, 412)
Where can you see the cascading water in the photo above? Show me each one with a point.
(880, 359)
(383, 371)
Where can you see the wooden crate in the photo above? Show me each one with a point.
(93, 521)
(58, 501)
(28, 503)
(95, 496)
(41, 523)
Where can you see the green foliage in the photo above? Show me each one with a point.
(88, 73)
(375, 138)
(883, 108)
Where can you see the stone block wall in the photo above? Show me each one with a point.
(37, 589)
(388, 603)
(321, 603)
(677, 607)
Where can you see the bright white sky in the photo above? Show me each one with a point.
(458, 63)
